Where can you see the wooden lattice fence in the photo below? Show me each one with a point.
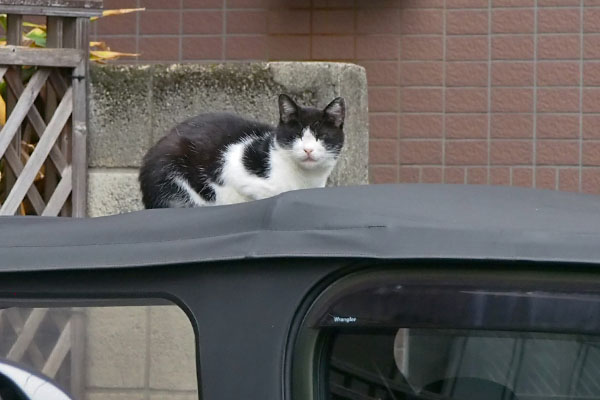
(45, 136)
(49, 340)
(46, 125)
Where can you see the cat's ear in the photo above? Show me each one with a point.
(288, 110)
(336, 111)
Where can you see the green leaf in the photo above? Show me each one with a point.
(3, 20)
(38, 36)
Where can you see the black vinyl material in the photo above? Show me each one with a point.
(374, 222)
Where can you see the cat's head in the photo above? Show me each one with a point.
(313, 138)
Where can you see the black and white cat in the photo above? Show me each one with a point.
(219, 158)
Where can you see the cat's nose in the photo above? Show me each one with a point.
(308, 151)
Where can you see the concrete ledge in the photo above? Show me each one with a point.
(113, 191)
(131, 107)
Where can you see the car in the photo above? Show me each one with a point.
(366, 292)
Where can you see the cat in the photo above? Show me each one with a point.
(221, 158)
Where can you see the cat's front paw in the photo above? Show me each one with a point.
(258, 192)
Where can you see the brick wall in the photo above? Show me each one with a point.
(460, 91)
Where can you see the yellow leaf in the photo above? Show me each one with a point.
(99, 55)
(2, 42)
(36, 32)
(32, 25)
(99, 46)
(2, 111)
(108, 13)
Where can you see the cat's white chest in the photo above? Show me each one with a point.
(239, 185)
(287, 175)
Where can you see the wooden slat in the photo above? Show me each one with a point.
(85, 4)
(14, 35)
(78, 335)
(26, 335)
(79, 156)
(18, 55)
(60, 85)
(3, 71)
(59, 352)
(32, 194)
(54, 39)
(61, 116)
(22, 108)
(16, 321)
(37, 121)
(49, 10)
(79, 132)
(60, 195)
(14, 29)
(64, 142)
(54, 33)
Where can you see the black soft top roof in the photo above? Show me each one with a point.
(378, 222)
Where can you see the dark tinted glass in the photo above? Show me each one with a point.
(464, 365)
(398, 338)
(462, 306)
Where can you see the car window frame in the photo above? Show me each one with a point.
(312, 343)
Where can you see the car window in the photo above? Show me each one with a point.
(112, 351)
(463, 365)
(392, 336)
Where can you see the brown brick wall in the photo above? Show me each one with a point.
(460, 91)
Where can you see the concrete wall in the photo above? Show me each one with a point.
(148, 353)
(133, 106)
(140, 353)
